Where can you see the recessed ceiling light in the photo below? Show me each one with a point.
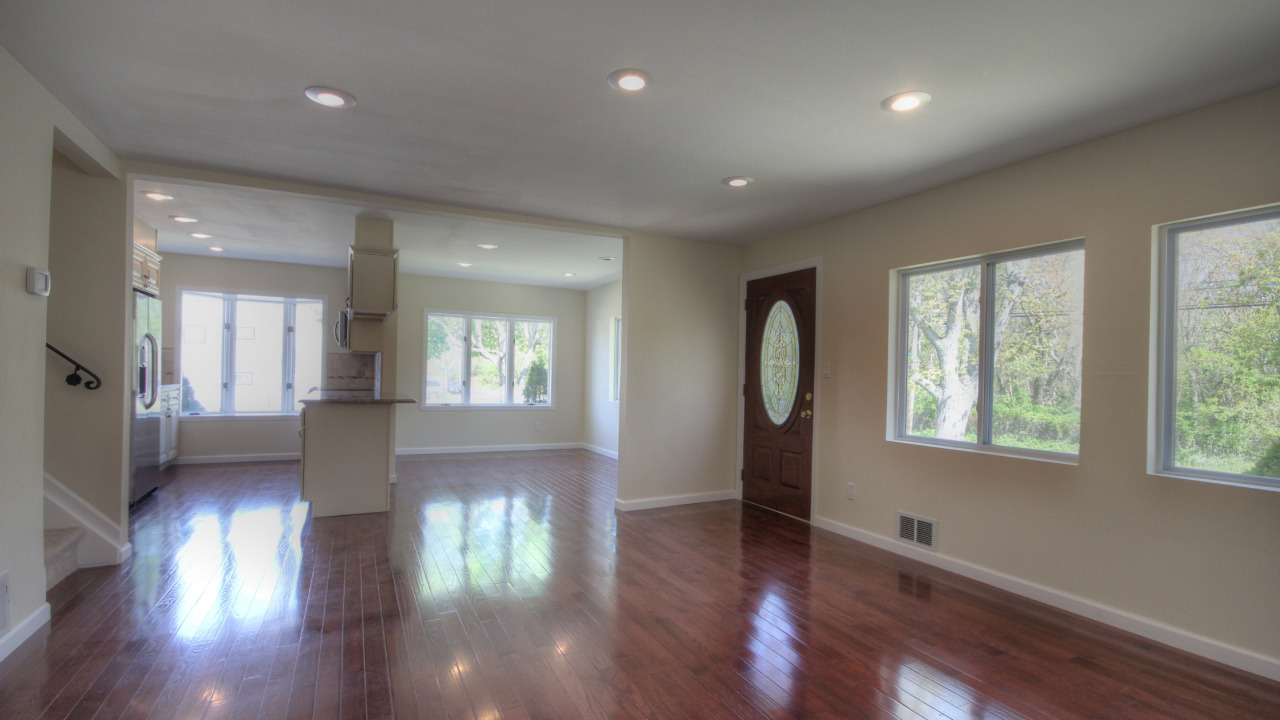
(738, 181)
(630, 79)
(570, 274)
(487, 246)
(215, 248)
(201, 236)
(157, 195)
(182, 219)
(905, 102)
(331, 97)
(607, 258)
(464, 264)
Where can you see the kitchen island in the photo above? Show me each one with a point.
(348, 451)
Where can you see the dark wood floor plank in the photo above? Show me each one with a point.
(504, 585)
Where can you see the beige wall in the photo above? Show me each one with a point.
(1197, 557)
(435, 428)
(87, 432)
(32, 122)
(680, 390)
(600, 425)
(240, 438)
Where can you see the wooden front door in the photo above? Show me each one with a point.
(778, 433)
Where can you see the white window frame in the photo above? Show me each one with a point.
(898, 376)
(615, 359)
(1162, 443)
(508, 391)
(288, 395)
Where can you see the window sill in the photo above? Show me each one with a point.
(1019, 453)
(1252, 482)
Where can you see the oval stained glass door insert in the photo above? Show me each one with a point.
(779, 362)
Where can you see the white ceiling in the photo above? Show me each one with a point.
(503, 105)
(285, 227)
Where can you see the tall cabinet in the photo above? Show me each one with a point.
(170, 409)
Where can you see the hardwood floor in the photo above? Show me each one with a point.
(505, 586)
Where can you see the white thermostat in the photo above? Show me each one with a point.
(38, 281)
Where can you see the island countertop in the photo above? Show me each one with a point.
(324, 395)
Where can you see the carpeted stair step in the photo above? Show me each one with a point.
(60, 554)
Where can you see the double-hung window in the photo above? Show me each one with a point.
(989, 350)
(1217, 409)
(495, 360)
(244, 354)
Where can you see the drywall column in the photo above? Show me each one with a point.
(34, 122)
(678, 439)
(379, 234)
(86, 431)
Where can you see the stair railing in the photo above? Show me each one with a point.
(74, 378)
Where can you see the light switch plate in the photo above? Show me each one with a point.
(38, 281)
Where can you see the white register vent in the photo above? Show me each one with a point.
(918, 531)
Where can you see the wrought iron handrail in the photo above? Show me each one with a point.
(74, 378)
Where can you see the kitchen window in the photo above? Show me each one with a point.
(989, 353)
(487, 360)
(248, 354)
(1217, 410)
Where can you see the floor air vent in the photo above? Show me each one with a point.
(918, 531)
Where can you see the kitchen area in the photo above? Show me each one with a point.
(345, 430)
(391, 266)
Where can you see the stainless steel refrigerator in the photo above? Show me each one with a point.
(144, 464)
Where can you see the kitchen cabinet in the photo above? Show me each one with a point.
(371, 281)
(146, 269)
(170, 409)
(364, 335)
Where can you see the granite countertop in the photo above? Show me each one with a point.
(326, 395)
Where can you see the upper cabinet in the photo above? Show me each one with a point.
(146, 270)
(371, 281)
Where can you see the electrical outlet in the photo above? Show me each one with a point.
(848, 491)
(537, 426)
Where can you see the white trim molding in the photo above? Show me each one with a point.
(261, 457)
(102, 543)
(487, 448)
(24, 630)
(599, 450)
(1240, 658)
(673, 500)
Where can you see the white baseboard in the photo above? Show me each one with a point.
(19, 633)
(101, 544)
(1246, 660)
(485, 448)
(673, 500)
(599, 450)
(262, 457)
